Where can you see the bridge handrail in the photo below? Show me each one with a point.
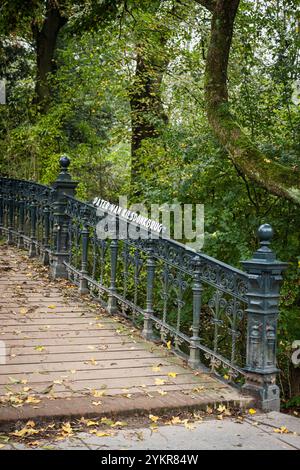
(217, 314)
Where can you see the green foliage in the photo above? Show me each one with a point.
(89, 119)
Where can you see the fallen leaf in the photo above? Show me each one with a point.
(221, 408)
(91, 423)
(169, 344)
(160, 381)
(251, 411)
(101, 433)
(119, 424)
(92, 362)
(30, 424)
(40, 348)
(14, 381)
(98, 393)
(24, 432)
(52, 306)
(161, 392)
(188, 425)
(96, 403)
(198, 389)
(107, 421)
(23, 310)
(154, 418)
(32, 400)
(172, 374)
(156, 369)
(282, 430)
(67, 429)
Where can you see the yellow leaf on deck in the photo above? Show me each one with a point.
(251, 411)
(32, 400)
(92, 362)
(282, 430)
(51, 306)
(40, 348)
(160, 381)
(169, 344)
(172, 374)
(98, 393)
(23, 310)
(161, 392)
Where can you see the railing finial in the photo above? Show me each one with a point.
(265, 234)
(64, 163)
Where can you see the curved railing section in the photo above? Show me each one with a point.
(215, 315)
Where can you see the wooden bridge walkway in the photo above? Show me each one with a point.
(65, 356)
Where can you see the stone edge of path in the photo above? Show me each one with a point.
(117, 406)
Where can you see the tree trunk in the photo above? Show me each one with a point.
(147, 113)
(276, 178)
(45, 47)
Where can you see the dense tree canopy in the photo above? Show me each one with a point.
(194, 101)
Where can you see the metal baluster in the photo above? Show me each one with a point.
(125, 253)
(10, 214)
(32, 246)
(194, 359)
(21, 223)
(148, 323)
(112, 301)
(46, 227)
(83, 284)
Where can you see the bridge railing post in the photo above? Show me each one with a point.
(264, 279)
(64, 185)
(194, 359)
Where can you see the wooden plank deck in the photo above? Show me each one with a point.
(61, 347)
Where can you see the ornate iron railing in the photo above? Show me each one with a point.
(218, 316)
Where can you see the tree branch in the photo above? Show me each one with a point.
(278, 179)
